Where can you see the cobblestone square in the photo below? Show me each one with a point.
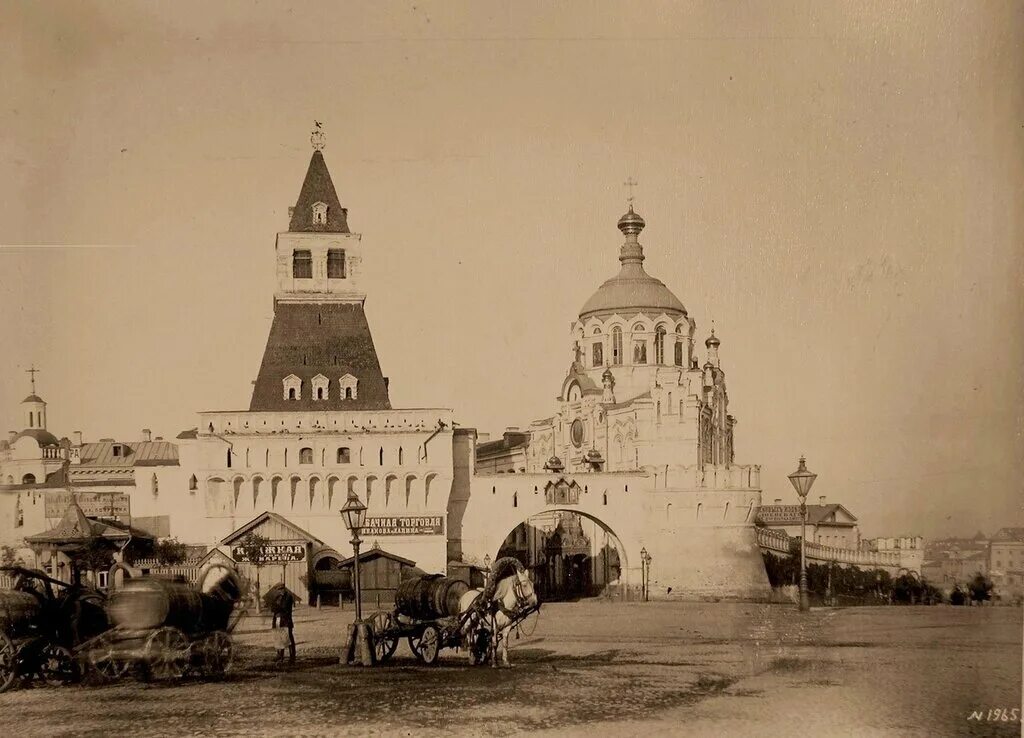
(617, 668)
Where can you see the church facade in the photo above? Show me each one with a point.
(641, 443)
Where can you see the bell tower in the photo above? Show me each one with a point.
(318, 258)
(320, 353)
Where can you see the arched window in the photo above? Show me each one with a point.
(515, 499)
(380, 456)
(319, 213)
(31, 422)
(679, 353)
(229, 458)
(193, 483)
(598, 353)
(306, 455)
(344, 457)
(28, 479)
(616, 345)
(401, 456)
(291, 393)
(319, 393)
(659, 345)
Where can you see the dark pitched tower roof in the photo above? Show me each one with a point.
(318, 187)
(307, 339)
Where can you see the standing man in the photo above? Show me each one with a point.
(282, 602)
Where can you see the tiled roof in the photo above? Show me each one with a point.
(136, 453)
(790, 515)
(509, 441)
(187, 434)
(1009, 534)
(318, 187)
(76, 527)
(307, 339)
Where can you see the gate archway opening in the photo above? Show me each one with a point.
(571, 555)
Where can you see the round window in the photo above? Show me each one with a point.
(576, 432)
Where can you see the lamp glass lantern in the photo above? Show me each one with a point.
(354, 513)
(802, 479)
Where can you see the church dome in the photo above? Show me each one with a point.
(43, 437)
(33, 398)
(632, 289)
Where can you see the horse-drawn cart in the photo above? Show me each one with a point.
(40, 627)
(434, 612)
(165, 629)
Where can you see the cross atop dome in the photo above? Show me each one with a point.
(32, 371)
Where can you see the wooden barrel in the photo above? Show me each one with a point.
(18, 610)
(147, 603)
(429, 597)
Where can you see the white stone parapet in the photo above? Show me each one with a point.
(243, 422)
(770, 539)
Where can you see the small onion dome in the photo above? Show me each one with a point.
(712, 340)
(631, 224)
(33, 398)
(554, 464)
(594, 456)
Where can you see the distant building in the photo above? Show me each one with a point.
(1006, 563)
(507, 455)
(909, 548)
(827, 524)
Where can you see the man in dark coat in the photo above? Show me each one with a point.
(282, 605)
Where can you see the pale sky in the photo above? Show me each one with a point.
(838, 186)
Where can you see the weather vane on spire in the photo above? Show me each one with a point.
(630, 183)
(32, 371)
(317, 138)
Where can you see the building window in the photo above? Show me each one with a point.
(319, 213)
(116, 450)
(679, 353)
(344, 457)
(229, 458)
(335, 263)
(305, 455)
(640, 352)
(321, 387)
(302, 264)
(19, 514)
(659, 345)
(155, 485)
(349, 386)
(598, 354)
(616, 345)
(292, 387)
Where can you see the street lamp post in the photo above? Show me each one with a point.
(487, 569)
(645, 575)
(802, 481)
(358, 646)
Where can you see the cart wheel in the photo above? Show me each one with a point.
(218, 653)
(105, 663)
(167, 654)
(384, 642)
(8, 662)
(57, 666)
(427, 645)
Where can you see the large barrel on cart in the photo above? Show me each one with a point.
(166, 628)
(18, 610)
(430, 597)
(148, 603)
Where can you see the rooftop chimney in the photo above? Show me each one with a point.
(821, 500)
(77, 438)
(147, 435)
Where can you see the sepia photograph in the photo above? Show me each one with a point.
(421, 368)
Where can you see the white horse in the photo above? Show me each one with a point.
(487, 630)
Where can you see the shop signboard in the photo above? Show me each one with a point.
(405, 525)
(276, 552)
(93, 504)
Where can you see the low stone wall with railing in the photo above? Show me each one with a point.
(778, 542)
